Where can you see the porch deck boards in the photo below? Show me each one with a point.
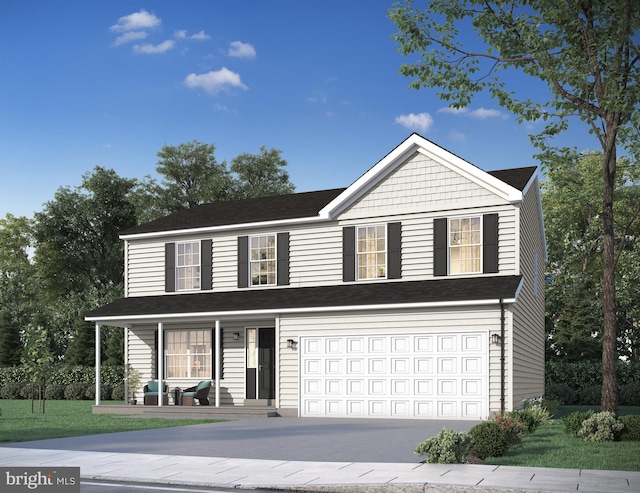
(195, 412)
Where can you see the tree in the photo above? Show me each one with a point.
(37, 361)
(261, 175)
(10, 344)
(585, 53)
(192, 176)
(573, 224)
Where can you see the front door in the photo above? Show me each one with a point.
(261, 368)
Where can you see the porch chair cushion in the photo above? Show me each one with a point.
(200, 392)
(151, 393)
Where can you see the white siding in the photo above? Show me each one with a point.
(528, 324)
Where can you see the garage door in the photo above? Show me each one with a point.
(438, 376)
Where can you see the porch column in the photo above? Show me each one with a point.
(97, 364)
(217, 363)
(160, 361)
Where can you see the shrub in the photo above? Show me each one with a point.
(601, 427)
(630, 394)
(631, 430)
(11, 390)
(550, 405)
(573, 422)
(76, 391)
(55, 392)
(533, 416)
(117, 394)
(562, 393)
(511, 426)
(488, 439)
(590, 396)
(447, 447)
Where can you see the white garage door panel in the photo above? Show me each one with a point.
(441, 375)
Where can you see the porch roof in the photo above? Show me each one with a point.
(272, 301)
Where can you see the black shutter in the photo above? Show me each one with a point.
(394, 257)
(490, 243)
(440, 247)
(154, 355)
(283, 259)
(349, 253)
(206, 281)
(169, 267)
(243, 261)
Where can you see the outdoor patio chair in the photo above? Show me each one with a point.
(200, 392)
(151, 394)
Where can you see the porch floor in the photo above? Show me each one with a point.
(195, 412)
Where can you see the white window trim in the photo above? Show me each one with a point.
(480, 244)
(188, 355)
(199, 265)
(385, 252)
(274, 260)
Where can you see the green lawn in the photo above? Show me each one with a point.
(71, 418)
(550, 446)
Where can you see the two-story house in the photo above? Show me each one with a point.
(416, 292)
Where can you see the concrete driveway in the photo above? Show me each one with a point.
(295, 439)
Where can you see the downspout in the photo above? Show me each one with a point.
(502, 351)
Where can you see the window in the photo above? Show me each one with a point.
(188, 266)
(262, 257)
(371, 252)
(188, 353)
(465, 245)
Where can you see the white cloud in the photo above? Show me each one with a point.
(214, 82)
(130, 36)
(479, 114)
(241, 50)
(317, 97)
(182, 34)
(136, 21)
(201, 36)
(153, 49)
(420, 122)
(456, 136)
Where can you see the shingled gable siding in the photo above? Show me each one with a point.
(394, 252)
(282, 260)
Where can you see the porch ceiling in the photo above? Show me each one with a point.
(270, 302)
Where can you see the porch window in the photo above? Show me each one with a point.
(188, 266)
(188, 353)
(465, 245)
(262, 257)
(371, 250)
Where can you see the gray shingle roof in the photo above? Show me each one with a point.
(321, 297)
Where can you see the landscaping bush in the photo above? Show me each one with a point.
(54, 392)
(601, 427)
(447, 447)
(630, 394)
(488, 439)
(11, 390)
(533, 416)
(550, 405)
(631, 428)
(117, 394)
(512, 426)
(562, 393)
(76, 391)
(573, 422)
(591, 396)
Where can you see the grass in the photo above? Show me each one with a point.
(550, 446)
(64, 419)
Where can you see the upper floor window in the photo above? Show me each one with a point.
(188, 265)
(371, 252)
(262, 257)
(465, 245)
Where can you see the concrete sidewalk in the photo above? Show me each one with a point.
(320, 476)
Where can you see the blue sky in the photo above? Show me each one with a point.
(108, 83)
